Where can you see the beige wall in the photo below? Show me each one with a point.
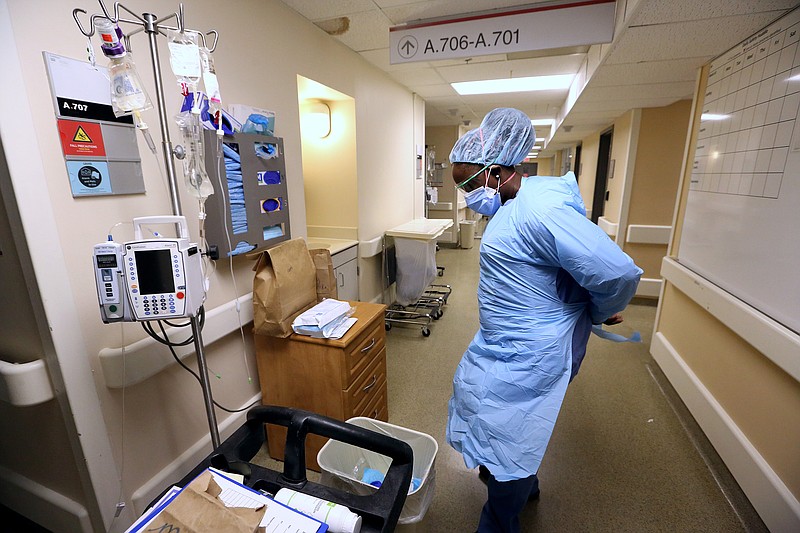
(546, 166)
(330, 178)
(662, 139)
(620, 150)
(164, 415)
(590, 149)
(656, 174)
(762, 400)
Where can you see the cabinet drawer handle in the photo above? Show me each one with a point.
(368, 387)
(341, 279)
(375, 414)
(368, 348)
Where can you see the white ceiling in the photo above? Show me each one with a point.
(652, 62)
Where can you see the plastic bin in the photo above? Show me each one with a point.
(337, 462)
(467, 228)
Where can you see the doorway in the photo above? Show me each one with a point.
(601, 177)
(330, 180)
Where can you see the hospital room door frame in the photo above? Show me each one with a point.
(601, 177)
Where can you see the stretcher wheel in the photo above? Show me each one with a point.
(387, 326)
(426, 332)
(436, 315)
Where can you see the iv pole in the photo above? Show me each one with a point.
(152, 27)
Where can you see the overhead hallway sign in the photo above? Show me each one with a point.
(522, 29)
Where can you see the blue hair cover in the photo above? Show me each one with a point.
(505, 137)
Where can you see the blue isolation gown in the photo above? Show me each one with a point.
(544, 269)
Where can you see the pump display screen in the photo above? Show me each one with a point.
(106, 261)
(154, 269)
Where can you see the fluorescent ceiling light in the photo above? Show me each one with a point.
(713, 116)
(514, 85)
(543, 121)
(539, 139)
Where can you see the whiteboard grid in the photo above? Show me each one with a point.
(741, 217)
(754, 91)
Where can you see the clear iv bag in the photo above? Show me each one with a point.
(127, 90)
(194, 169)
(184, 57)
(210, 81)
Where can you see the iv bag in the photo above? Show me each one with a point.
(184, 57)
(210, 81)
(194, 170)
(127, 91)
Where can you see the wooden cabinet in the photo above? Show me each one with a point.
(340, 378)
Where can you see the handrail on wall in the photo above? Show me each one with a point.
(25, 384)
(141, 361)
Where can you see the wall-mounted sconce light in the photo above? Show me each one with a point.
(319, 119)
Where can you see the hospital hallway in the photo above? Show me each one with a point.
(625, 454)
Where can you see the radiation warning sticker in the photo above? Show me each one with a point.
(81, 138)
(88, 177)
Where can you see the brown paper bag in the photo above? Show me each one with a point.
(284, 286)
(197, 509)
(326, 279)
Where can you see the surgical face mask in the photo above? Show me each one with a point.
(483, 200)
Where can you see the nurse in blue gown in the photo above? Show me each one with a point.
(547, 273)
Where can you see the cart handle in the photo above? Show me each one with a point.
(299, 423)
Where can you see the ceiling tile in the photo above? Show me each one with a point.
(629, 91)
(540, 66)
(660, 12)
(419, 76)
(405, 11)
(671, 70)
(653, 62)
(695, 39)
(625, 105)
(380, 58)
(368, 31)
(433, 91)
(315, 10)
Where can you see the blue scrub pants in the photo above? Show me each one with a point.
(505, 503)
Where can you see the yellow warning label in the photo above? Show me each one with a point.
(81, 136)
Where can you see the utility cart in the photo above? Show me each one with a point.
(379, 511)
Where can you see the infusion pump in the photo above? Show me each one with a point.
(149, 279)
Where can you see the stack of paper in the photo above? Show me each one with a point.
(329, 319)
(277, 517)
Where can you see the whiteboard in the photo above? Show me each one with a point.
(742, 225)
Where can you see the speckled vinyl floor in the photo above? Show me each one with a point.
(625, 455)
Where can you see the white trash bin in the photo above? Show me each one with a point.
(339, 463)
(467, 228)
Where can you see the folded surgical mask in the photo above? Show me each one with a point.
(483, 200)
